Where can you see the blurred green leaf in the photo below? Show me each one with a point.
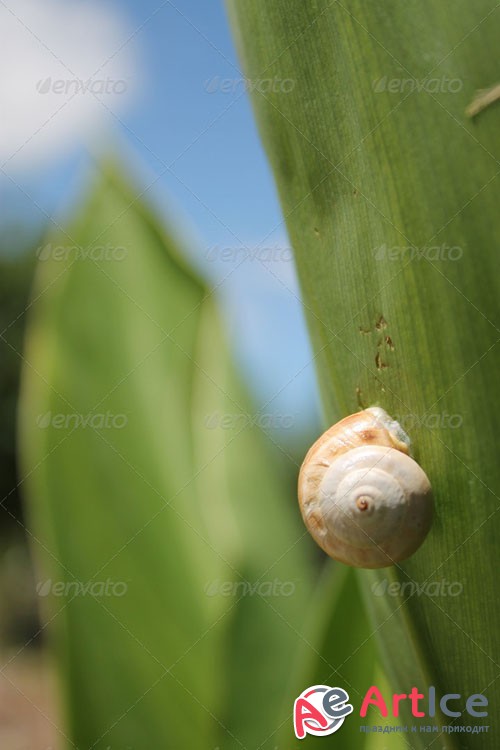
(274, 577)
(391, 199)
(338, 650)
(144, 521)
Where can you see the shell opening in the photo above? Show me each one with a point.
(399, 437)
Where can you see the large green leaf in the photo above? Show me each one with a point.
(391, 200)
(126, 485)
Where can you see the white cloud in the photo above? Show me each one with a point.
(58, 58)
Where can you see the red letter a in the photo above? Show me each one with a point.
(303, 710)
(375, 701)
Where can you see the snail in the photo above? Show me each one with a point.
(363, 499)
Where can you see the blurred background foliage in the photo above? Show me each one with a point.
(45, 139)
(18, 620)
(173, 513)
(93, 324)
(184, 152)
(16, 273)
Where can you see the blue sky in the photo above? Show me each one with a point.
(187, 121)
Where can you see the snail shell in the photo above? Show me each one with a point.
(364, 500)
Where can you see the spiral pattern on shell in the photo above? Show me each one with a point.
(364, 500)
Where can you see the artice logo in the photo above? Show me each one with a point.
(320, 710)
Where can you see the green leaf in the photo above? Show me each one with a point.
(337, 651)
(273, 587)
(138, 516)
(391, 199)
